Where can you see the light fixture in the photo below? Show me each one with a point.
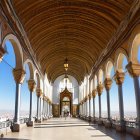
(66, 64)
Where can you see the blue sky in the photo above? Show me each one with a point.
(7, 88)
(7, 84)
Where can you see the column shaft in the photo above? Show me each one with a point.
(17, 103)
(137, 95)
(121, 108)
(30, 112)
(108, 104)
(99, 107)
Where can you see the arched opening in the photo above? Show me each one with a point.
(25, 94)
(128, 91)
(7, 82)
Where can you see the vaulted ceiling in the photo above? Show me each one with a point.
(76, 29)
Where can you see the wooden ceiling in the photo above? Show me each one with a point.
(76, 29)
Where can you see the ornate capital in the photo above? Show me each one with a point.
(119, 77)
(2, 52)
(133, 69)
(108, 83)
(100, 89)
(31, 85)
(38, 92)
(94, 93)
(19, 75)
(89, 96)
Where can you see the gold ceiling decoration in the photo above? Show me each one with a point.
(79, 28)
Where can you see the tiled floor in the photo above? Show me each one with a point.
(69, 129)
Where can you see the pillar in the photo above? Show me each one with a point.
(19, 75)
(119, 78)
(31, 86)
(108, 83)
(93, 98)
(100, 90)
(89, 107)
(134, 71)
(38, 93)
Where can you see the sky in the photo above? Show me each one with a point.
(7, 84)
(7, 88)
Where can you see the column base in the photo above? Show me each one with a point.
(120, 128)
(15, 127)
(136, 132)
(108, 124)
(30, 123)
(93, 120)
(100, 122)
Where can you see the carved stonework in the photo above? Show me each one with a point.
(133, 69)
(31, 85)
(94, 92)
(2, 52)
(38, 92)
(100, 89)
(108, 83)
(119, 77)
(19, 75)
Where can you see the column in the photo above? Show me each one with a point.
(39, 93)
(100, 90)
(89, 107)
(31, 86)
(108, 83)
(134, 71)
(43, 107)
(119, 78)
(94, 95)
(48, 109)
(87, 102)
(19, 75)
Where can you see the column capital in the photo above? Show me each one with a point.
(100, 89)
(94, 92)
(38, 92)
(19, 75)
(108, 83)
(89, 96)
(133, 69)
(2, 52)
(119, 77)
(31, 84)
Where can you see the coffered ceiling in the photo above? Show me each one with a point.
(76, 29)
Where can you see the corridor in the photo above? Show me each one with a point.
(69, 129)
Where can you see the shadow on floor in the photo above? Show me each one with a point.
(112, 133)
(12, 139)
(59, 126)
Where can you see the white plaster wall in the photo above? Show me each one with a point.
(56, 93)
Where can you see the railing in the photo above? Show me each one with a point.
(131, 124)
(8, 123)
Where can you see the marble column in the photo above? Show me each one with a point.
(93, 98)
(31, 86)
(39, 94)
(108, 83)
(19, 75)
(134, 71)
(100, 90)
(119, 78)
(89, 107)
